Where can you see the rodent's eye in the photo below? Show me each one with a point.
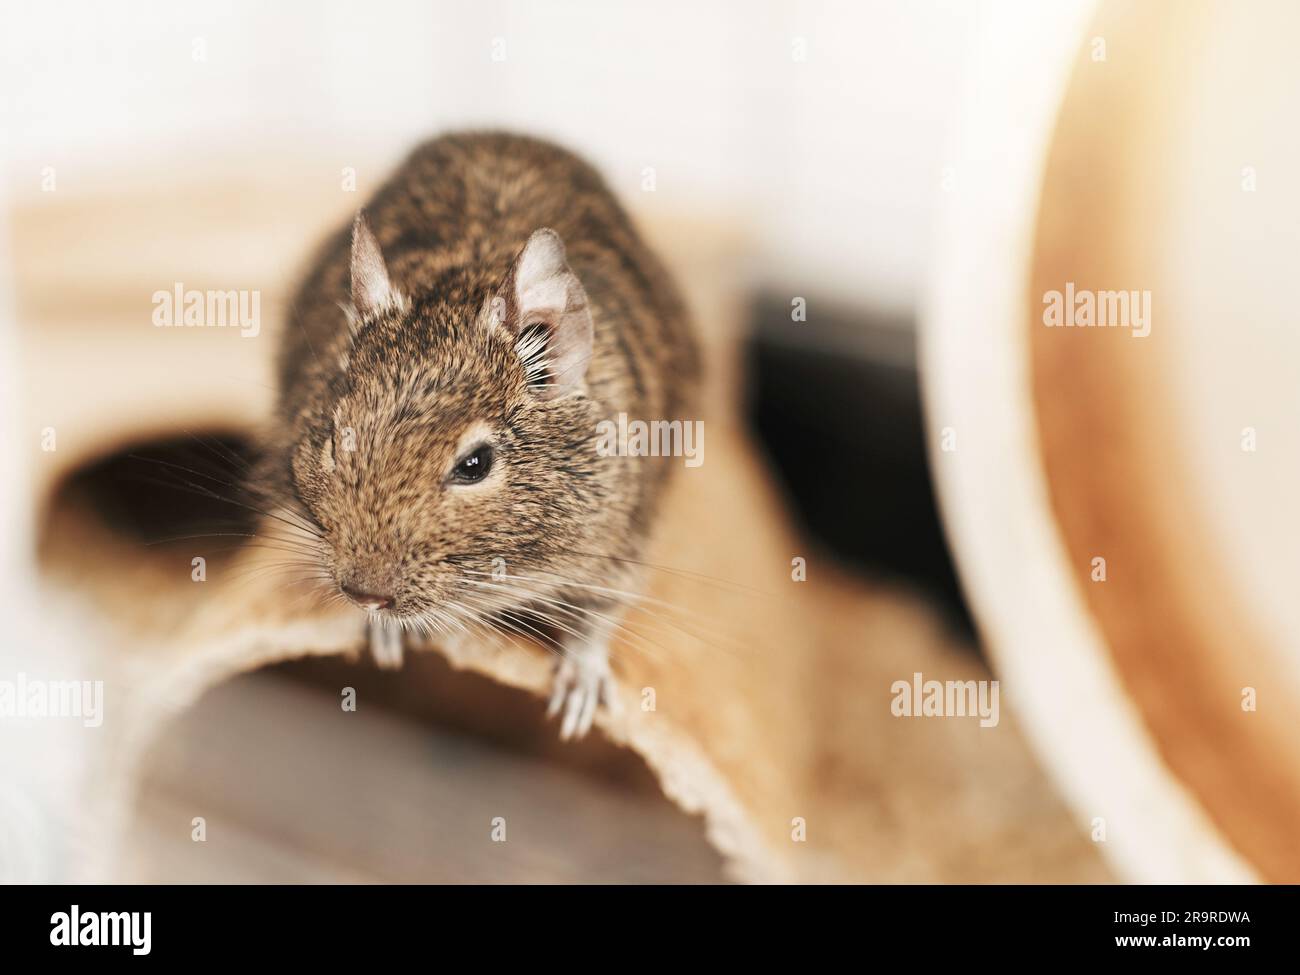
(474, 466)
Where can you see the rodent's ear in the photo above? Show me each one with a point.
(546, 312)
(372, 292)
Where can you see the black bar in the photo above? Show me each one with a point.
(336, 924)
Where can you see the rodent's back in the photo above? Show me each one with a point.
(471, 201)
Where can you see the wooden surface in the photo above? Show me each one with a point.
(772, 695)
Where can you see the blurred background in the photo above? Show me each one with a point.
(816, 130)
(915, 176)
(833, 115)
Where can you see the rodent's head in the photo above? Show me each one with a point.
(456, 432)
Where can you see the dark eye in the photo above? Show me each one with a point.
(473, 466)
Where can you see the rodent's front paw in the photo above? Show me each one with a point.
(583, 681)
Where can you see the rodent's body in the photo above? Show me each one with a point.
(375, 402)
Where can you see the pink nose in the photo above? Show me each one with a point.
(367, 600)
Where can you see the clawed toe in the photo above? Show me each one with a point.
(581, 685)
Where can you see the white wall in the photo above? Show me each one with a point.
(835, 160)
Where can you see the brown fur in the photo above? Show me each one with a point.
(412, 381)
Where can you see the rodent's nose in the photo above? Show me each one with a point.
(367, 600)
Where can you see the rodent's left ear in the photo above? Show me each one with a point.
(372, 291)
(546, 312)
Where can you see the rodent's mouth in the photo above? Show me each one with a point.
(370, 601)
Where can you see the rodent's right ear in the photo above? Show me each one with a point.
(544, 308)
(372, 291)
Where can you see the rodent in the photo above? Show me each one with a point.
(448, 359)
